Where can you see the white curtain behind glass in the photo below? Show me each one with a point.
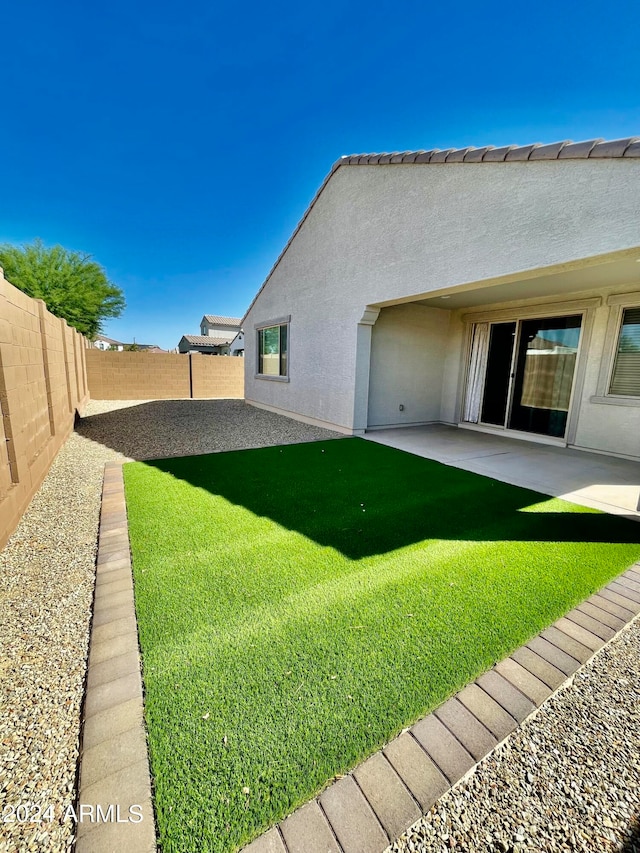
(477, 368)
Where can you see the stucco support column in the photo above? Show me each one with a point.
(363, 363)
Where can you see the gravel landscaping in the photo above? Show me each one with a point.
(47, 572)
(567, 779)
(156, 428)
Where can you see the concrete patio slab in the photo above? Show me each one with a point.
(590, 479)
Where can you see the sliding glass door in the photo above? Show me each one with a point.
(498, 376)
(529, 368)
(543, 380)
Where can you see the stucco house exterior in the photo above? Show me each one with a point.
(236, 347)
(110, 344)
(105, 344)
(218, 336)
(496, 289)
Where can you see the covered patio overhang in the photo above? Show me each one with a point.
(420, 351)
(617, 269)
(591, 479)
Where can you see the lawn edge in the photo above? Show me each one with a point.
(114, 768)
(382, 797)
(388, 793)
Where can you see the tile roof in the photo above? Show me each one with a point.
(205, 340)
(592, 149)
(113, 342)
(108, 340)
(595, 149)
(216, 320)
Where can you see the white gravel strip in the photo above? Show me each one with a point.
(567, 779)
(47, 572)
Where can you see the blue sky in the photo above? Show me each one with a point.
(180, 143)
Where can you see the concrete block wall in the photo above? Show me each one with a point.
(137, 375)
(43, 382)
(162, 376)
(217, 376)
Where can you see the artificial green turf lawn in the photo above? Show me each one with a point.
(299, 605)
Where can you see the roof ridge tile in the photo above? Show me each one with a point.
(458, 154)
(578, 150)
(441, 156)
(612, 147)
(550, 151)
(565, 150)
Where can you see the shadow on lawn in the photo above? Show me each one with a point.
(362, 498)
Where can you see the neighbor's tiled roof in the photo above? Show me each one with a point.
(596, 149)
(205, 340)
(107, 340)
(215, 320)
(592, 149)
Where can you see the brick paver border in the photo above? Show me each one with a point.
(369, 808)
(373, 805)
(114, 765)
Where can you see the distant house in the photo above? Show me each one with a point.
(208, 345)
(219, 327)
(218, 336)
(104, 343)
(237, 344)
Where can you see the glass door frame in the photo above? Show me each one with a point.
(579, 308)
(512, 367)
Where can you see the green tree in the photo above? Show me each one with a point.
(71, 284)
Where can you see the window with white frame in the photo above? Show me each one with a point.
(625, 377)
(273, 348)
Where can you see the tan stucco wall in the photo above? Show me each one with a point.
(43, 382)
(407, 365)
(384, 233)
